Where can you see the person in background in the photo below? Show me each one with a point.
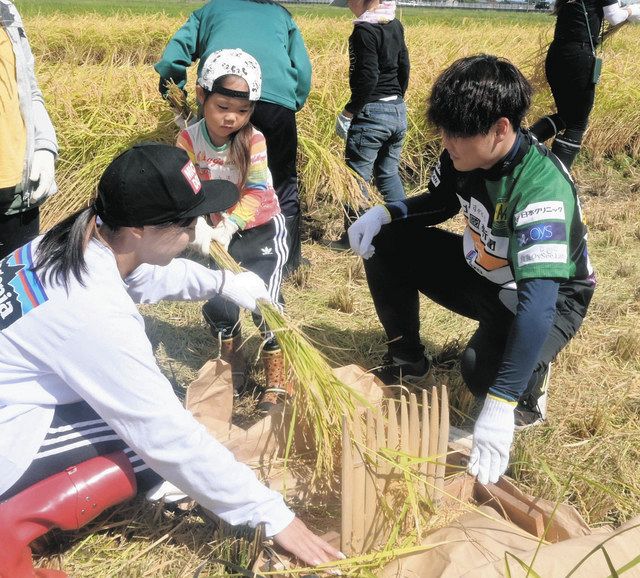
(265, 30)
(225, 145)
(521, 268)
(573, 69)
(28, 145)
(83, 403)
(374, 121)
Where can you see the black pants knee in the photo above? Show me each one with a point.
(18, 229)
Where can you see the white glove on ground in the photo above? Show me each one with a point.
(342, 126)
(43, 173)
(492, 437)
(203, 237)
(223, 231)
(634, 12)
(166, 492)
(362, 232)
(244, 289)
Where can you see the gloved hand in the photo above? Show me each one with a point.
(634, 12)
(42, 173)
(223, 231)
(362, 232)
(244, 289)
(203, 237)
(343, 123)
(492, 437)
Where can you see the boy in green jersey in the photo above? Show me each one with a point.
(521, 267)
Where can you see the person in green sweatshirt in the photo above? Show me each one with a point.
(267, 31)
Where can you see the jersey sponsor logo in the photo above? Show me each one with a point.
(543, 253)
(500, 214)
(191, 176)
(539, 232)
(435, 175)
(20, 288)
(538, 211)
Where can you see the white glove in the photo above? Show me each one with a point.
(166, 492)
(42, 173)
(342, 125)
(223, 231)
(244, 289)
(492, 437)
(634, 12)
(362, 232)
(203, 237)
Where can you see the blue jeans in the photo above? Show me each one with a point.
(374, 143)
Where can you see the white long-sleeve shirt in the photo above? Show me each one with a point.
(90, 344)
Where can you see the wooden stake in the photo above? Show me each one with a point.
(434, 427)
(404, 426)
(414, 426)
(347, 490)
(357, 496)
(370, 495)
(443, 441)
(424, 442)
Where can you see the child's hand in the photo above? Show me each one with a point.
(224, 231)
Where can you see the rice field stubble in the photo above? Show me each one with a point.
(101, 92)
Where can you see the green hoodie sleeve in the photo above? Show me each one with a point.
(180, 53)
(301, 64)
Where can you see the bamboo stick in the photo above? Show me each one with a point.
(371, 510)
(414, 426)
(357, 495)
(434, 427)
(404, 425)
(424, 442)
(347, 490)
(443, 441)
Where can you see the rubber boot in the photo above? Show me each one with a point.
(67, 500)
(295, 259)
(546, 127)
(277, 385)
(567, 146)
(230, 352)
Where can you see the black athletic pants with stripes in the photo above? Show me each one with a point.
(77, 434)
(410, 260)
(262, 250)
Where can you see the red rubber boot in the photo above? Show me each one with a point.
(67, 500)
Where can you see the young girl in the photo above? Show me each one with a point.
(374, 121)
(225, 145)
(570, 67)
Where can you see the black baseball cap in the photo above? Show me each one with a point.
(153, 183)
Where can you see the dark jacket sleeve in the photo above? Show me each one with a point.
(363, 67)
(529, 330)
(403, 67)
(437, 204)
(180, 53)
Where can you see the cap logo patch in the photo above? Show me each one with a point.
(191, 176)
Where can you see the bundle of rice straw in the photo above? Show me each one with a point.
(321, 399)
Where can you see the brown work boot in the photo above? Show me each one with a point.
(278, 387)
(230, 352)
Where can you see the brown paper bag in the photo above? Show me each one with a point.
(210, 397)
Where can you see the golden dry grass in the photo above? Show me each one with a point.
(101, 92)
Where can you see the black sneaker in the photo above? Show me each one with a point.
(341, 245)
(532, 410)
(394, 371)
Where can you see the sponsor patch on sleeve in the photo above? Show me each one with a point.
(543, 253)
(541, 232)
(435, 175)
(544, 210)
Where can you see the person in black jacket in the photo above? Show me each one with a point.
(570, 67)
(374, 121)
